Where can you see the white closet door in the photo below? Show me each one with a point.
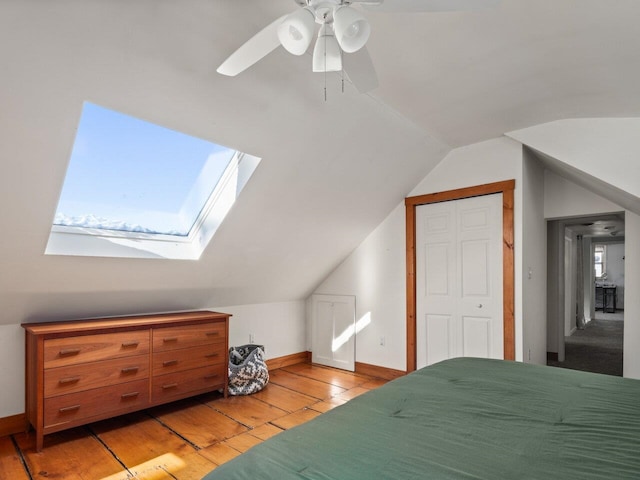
(334, 331)
(459, 279)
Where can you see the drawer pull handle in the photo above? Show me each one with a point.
(72, 408)
(168, 363)
(213, 334)
(124, 396)
(212, 355)
(69, 351)
(170, 339)
(169, 385)
(133, 343)
(64, 381)
(130, 370)
(212, 376)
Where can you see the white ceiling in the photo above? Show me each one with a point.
(331, 171)
(606, 227)
(467, 77)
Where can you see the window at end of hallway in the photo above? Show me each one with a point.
(599, 261)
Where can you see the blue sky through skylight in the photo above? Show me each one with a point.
(130, 175)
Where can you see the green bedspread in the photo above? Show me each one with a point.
(464, 419)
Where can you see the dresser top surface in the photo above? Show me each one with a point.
(122, 323)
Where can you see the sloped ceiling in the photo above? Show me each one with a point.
(600, 154)
(331, 170)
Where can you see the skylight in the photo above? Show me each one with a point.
(141, 190)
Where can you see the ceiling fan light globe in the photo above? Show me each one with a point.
(327, 56)
(295, 34)
(352, 29)
(296, 31)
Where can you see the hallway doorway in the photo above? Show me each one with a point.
(586, 294)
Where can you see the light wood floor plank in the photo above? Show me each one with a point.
(305, 385)
(352, 393)
(265, 431)
(247, 410)
(155, 469)
(243, 442)
(73, 455)
(219, 453)
(328, 404)
(199, 423)
(168, 466)
(195, 467)
(333, 376)
(284, 398)
(137, 438)
(10, 465)
(296, 418)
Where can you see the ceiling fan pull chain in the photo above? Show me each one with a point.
(342, 69)
(325, 68)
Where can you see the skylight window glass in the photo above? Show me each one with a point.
(138, 190)
(129, 175)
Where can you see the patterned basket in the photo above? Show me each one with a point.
(248, 371)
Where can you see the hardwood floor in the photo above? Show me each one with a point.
(183, 440)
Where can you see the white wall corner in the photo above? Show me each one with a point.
(12, 373)
(631, 355)
(534, 294)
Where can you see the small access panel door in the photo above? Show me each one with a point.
(333, 339)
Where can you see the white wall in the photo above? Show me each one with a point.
(280, 327)
(554, 308)
(534, 262)
(563, 198)
(11, 370)
(632, 302)
(375, 271)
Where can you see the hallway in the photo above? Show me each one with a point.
(597, 348)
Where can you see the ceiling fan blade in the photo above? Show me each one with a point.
(408, 6)
(260, 45)
(360, 70)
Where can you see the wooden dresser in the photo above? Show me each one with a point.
(82, 371)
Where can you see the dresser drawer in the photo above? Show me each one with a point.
(59, 352)
(75, 407)
(172, 338)
(85, 376)
(185, 359)
(181, 384)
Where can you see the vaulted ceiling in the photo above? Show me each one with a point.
(331, 170)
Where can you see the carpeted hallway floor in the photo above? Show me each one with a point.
(597, 348)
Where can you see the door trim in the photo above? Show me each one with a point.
(508, 274)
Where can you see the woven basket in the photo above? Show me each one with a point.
(248, 371)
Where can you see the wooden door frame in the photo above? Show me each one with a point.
(508, 274)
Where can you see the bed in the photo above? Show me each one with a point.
(464, 418)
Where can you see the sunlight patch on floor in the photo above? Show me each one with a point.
(154, 469)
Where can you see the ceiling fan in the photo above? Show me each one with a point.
(343, 30)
